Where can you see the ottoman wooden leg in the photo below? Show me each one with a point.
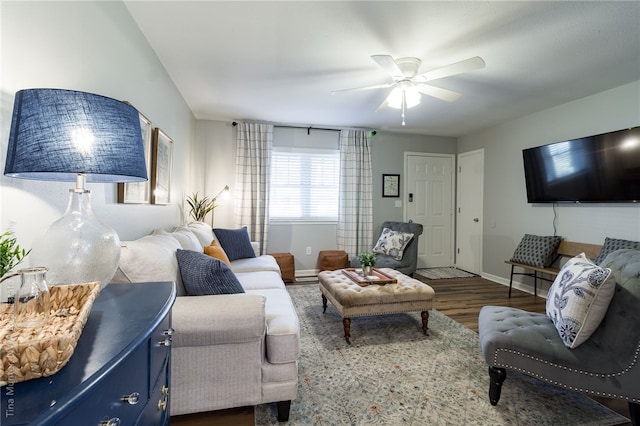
(347, 329)
(425, 321)
(324, 303)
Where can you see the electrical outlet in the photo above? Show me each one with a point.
(308, 250)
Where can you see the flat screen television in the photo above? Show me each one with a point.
(596, 169)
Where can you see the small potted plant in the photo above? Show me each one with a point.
(10, 253)
(200, 207)
(367, 261)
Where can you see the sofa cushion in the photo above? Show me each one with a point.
(235, 242)
(392, 243)
(151, 258)
(536, 250)
(215, 250)
(254, 264)
(612, 244)
(202, 231)
(202, 274)
(579, 298)
(260, 280)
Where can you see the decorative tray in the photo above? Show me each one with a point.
(377, 277)
(32, 353)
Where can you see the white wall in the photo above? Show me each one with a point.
(507, 214)
(94, 47)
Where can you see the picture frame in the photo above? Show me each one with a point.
(390, 185)
(161, 164)
(139, 192)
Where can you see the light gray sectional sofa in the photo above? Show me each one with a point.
(229, 350)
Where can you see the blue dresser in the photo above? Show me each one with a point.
(119, 373)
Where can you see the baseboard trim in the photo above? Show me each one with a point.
(518, 285)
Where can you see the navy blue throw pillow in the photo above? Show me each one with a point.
(202, 274)
(235, 242)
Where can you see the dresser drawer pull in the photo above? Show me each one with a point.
(169, 332)
(132, 398)
(114, 421)
(162, 404)
(165, 342)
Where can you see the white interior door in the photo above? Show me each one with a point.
(429, 201)
(469, 211)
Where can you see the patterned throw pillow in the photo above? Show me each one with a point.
(202, 274)
(536, 250)
(579, 298)
(235, 242)
(392, 243)
(612, 244)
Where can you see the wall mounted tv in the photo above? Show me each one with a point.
(596, 169)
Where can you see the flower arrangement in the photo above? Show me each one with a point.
(367, 259)
(200, 207)
(10, 252)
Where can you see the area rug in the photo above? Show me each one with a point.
(444, 273)
(392, 374)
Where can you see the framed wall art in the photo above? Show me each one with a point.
(390, 185)
(161, 162)
(139, 192)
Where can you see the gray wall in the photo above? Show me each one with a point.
(94, 47)
(217, 140)
(508, 216)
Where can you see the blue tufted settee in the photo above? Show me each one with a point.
(409, 262)
(606, 365)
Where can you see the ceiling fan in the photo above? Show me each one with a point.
(408, 85)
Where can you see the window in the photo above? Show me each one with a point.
(304, 185)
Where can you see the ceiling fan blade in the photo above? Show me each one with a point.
(438, 92)
(355, 89)
(388, 64)
(383, 106)
(453, 69)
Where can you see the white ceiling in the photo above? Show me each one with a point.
(278, 61)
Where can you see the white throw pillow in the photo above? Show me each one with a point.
(202, 231)
(579, 298)
(149, 259)
(392, 243)
(188, 240)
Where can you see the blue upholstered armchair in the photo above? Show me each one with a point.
(606, 364)
(408, 264)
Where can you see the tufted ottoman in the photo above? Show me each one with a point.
(351, 300)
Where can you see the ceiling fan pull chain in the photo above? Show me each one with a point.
(404, 104)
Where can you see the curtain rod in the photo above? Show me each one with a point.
(373, 132)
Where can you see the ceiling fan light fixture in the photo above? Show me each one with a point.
(404, 95)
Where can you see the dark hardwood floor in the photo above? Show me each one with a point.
(459, 299)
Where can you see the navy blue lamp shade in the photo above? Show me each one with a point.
(57, 134)
(66, 135)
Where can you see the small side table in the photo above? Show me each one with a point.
(287, 265)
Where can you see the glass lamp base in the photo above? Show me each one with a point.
(78, 248)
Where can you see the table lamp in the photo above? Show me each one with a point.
(66, 135)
